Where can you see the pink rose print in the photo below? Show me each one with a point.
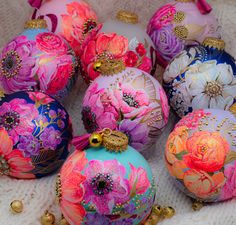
(12, 162)
(98, 111)
(54, 72)
(131, 102)
(16, 65)
(16, 117)
(139, 179)
(51, 43)
(164, 16)
(78, 24)
(40, 98)
(106, 185)
(229, 189)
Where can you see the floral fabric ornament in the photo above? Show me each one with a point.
(130, 101)
(35, 133)
(201, 77)
(74, 20)
(200, 155)
(105, 186)
(119, 39)
(179, 24)
(37, 60)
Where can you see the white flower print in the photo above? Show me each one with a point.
(211, 85)
(179, 64)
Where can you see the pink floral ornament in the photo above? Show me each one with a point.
(16, 117)
(17, 62)
(12, 162)
(107, 46)
(106, 185)
(103, 46)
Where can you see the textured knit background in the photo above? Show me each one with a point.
(38, 195)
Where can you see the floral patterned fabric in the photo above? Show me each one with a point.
(132, 102)
(36, 131)
(200, 78)
(108, 191)
(37, 60)
(200, 154)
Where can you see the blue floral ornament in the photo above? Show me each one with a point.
(203, 76)
(39, 127)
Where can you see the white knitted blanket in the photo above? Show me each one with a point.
(39, 195)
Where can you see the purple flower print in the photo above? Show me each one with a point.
(136, 132)
(29, 145)
(96, 219)
(124, 222)
(17, 64)
(166, 42)
(106, 185)
(50, 138)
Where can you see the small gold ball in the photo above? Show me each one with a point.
(16, 206)
(95, 140)
(157, 209)
(97, 65)
(168, 212)
(64, 222)
(48, 219)
(196, 206)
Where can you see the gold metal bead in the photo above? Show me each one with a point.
(16, 206)
(64, 222)
(197, 205)
(168, 212)
(97, 65)
(157, 209)
(95, 140)
(47, 219)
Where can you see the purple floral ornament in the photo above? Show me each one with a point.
(37, 60)
(39, 127)
(131, 101)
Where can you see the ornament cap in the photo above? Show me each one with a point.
(214, 43)
(36, 24)
(114, 141)
(109, 67)
(127, 17)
